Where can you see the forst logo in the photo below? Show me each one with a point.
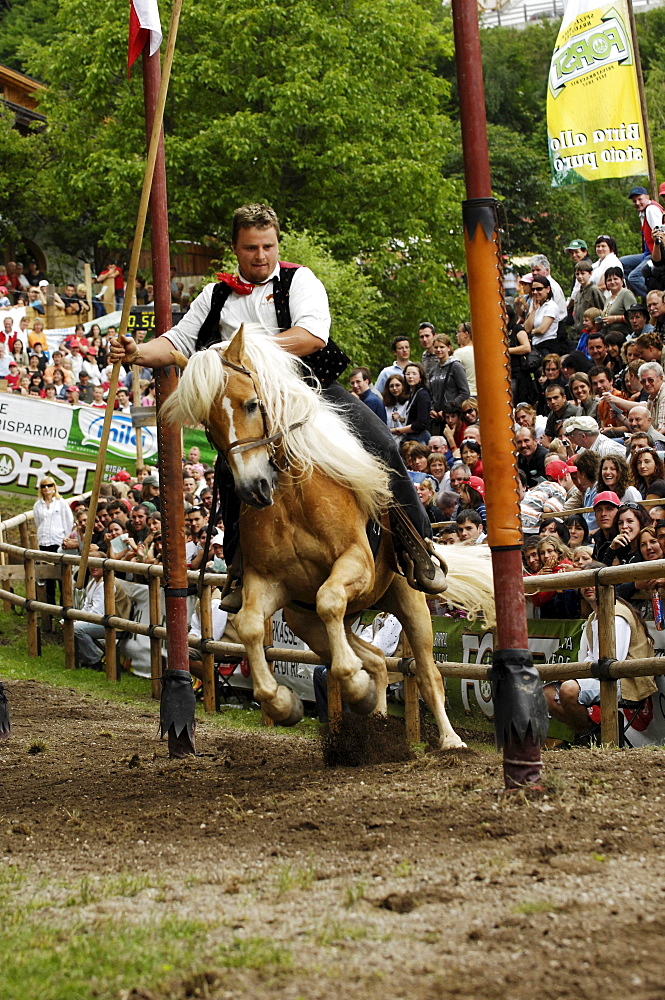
(590, 50)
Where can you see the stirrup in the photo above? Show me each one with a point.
(422, 567)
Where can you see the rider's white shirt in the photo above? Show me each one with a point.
(308, 304)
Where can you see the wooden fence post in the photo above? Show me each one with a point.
(87, 281)
(411, 698)
(334, 701)
(155, 599)
(207, 659)
(267, 638)
(609, 703)
(6, 585)
(31, 616)
(68, 624)
(111, 654)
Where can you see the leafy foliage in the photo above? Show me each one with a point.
(24, 25)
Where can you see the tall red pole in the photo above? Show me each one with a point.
(178, 703)
(520, 713)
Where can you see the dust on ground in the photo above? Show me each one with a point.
(413, 879)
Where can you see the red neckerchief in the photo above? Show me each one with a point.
(235, 284)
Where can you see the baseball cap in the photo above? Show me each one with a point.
(528, 278)
(13, 364)
(3, 290)
(121, 477)
(586, 424)
(637, 308)
(636, 191)
(43, 284)
(218, 539)
(476, 483)
(558, 469)
(606, 497)
(150, 481)
(577, 245)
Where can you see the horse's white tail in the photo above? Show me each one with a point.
(469, 579)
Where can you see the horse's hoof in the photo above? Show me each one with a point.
(452, 743)
(296, 713)
(368, 702)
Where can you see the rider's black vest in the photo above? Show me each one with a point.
(327, 364)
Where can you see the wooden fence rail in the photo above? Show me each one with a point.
(604, 580)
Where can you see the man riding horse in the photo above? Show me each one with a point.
(290, 303)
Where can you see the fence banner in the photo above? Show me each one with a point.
(594, 122)
(40, 437)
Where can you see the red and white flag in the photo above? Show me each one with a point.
(144, 28)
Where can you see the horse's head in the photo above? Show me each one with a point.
(238, 426)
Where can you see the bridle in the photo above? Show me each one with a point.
(243, 444)
(268, 440)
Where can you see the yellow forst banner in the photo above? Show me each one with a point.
(594, 122)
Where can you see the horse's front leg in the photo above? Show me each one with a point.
(352, 575)
(410, 607)
(260, 599)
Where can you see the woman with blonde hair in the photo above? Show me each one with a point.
(53, 521)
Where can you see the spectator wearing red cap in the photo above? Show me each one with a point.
(14, 375)
(4, 298)
(560, 472)
(472, 494)
(605, 507)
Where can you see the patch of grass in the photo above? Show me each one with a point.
(403, 869)
(332, 932)
(288, 877)
(354, 893)
(536, 906)
(254, 953)
(42, 959)
(91, 889)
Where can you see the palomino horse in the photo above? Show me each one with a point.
(308, 489)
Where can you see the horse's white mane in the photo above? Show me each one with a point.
(323, 442)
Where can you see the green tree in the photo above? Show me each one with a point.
(334, 117)
(24, 26)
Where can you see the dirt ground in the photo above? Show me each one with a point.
(416, 879)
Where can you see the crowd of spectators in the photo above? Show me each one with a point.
(127, 528)
(588, 382)
(75, 372)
